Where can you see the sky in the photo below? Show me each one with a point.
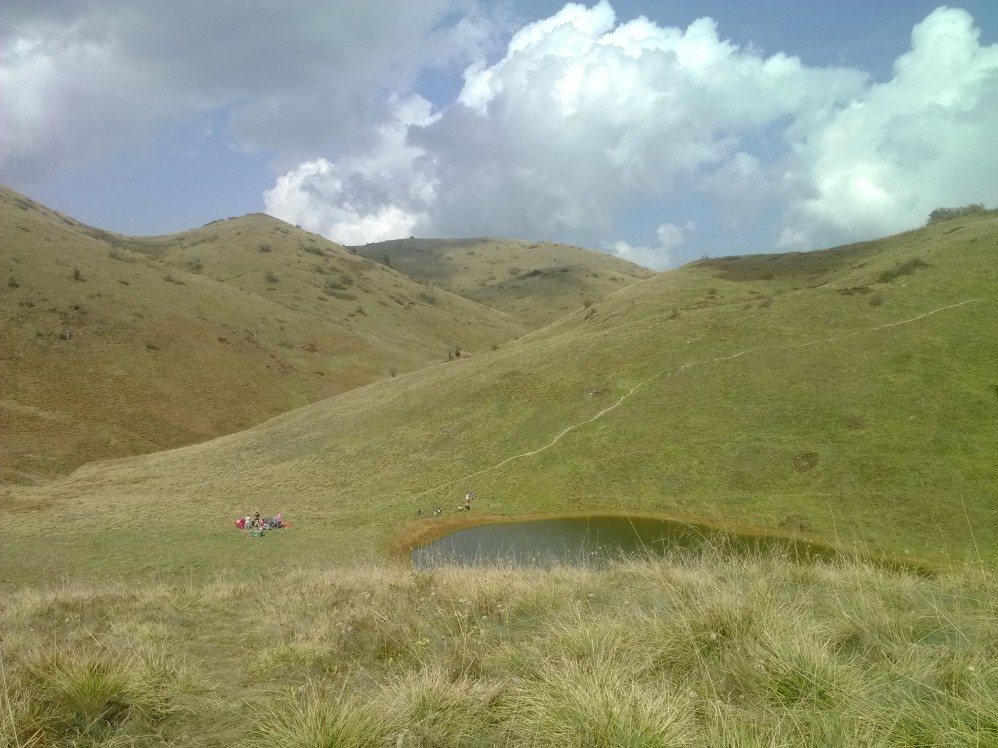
(661, 131)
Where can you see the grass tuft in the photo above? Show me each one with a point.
(696, 649)
(313, 717)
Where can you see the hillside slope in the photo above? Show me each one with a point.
(537, 282)
(115, 345)
(849, 395)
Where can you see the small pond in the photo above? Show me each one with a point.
(593, 540)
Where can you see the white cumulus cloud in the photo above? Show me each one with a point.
(583, 114)
(371, 197)
(657, 257)
(565, 132)
(921, 140)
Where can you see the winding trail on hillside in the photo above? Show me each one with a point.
(668, 372)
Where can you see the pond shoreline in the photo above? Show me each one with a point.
(425, 531)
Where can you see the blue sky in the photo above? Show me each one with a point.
(657, 131)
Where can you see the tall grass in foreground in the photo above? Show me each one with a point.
(696, 650)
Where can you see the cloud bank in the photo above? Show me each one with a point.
(561, 129)
(922, 140)
(583, 115)
(79, 80)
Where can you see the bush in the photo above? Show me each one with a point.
(948, 214)
(905, 268)
(265, 247)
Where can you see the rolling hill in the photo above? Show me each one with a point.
(116, 345)
(848, 395)
(536, 282)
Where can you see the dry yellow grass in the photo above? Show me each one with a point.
(116, 345)
(698, 650)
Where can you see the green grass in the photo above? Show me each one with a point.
(764, 392)
(536, 282)
(696, 650)
(874, 427)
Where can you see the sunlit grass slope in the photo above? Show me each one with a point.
(537, 282)
(850, 395)
(699, 651)
(116, 345)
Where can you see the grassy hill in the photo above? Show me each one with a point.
(848, 395)
(116, 345)
(537, 282)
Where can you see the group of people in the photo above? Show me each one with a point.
(256, 522)
(465, 507)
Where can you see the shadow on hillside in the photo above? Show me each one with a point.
(795, 266)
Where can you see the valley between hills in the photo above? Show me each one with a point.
(848, 394)
(156, 388)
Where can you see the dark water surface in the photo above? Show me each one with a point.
(595, 540)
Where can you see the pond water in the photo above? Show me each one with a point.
(593, 540)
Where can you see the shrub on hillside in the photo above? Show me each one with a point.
(905, 268)
(341, 295)
(947, 214)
